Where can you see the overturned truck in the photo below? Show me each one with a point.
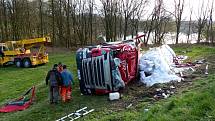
(108, 67)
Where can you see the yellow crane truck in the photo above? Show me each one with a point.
(24, 53)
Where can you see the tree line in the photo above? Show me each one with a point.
(72, 23)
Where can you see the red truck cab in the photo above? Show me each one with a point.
(98, 71)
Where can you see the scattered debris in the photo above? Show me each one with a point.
(182, 57)
(165, 95)
(206, 69)
(129, 105)
(76, 115)
(202, 61)
(159, 89)
(141, 92)
(114, 96)
(181, 74)
(192, 69)
(146, 110)
(172, 87)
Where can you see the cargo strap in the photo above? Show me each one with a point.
(75, 115)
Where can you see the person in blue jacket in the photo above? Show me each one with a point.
(66, 89)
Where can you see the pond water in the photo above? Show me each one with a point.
(169, 38)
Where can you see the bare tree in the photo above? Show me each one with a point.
(91, 7)
(189, 26)
(59, 22)
(128, 8)
(179, 7)
(156, 23)
(53, 21)
(82, 13)
(211, 31)
(202, 20)
(135, 19)
(209, 25)
(13, 17)
(109, 12)
(4, 18)
(72, 22)
(149, 27)
(161, 19)
(2, 6)
(68, 38)
(41, 17)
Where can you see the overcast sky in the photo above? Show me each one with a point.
(189, 4)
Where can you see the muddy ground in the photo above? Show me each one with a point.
(137, 92)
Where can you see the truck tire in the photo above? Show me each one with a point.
(26, 63)
(18, 63)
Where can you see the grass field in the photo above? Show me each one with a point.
(194, 102)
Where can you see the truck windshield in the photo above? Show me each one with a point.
(3, 48)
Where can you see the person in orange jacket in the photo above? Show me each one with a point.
(60, 69)
(67, 81)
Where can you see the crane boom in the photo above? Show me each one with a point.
(27, 42)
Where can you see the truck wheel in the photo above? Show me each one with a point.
(26, 63)
(18, 63)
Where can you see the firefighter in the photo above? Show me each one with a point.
(55, 80)
(66, 88)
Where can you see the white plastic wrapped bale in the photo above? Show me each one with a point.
(156, 62)
(167, 53)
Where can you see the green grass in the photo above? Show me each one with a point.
(192, 103)
(196, 51)
(14, 81)
(197, 104)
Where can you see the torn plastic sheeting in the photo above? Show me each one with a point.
(182, 57)
(117, 79)
(160, 78)
(167, 53)
(188, 70)
(146, 65)
(154, 60)
(157, 62)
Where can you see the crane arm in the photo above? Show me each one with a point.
(29, 43)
